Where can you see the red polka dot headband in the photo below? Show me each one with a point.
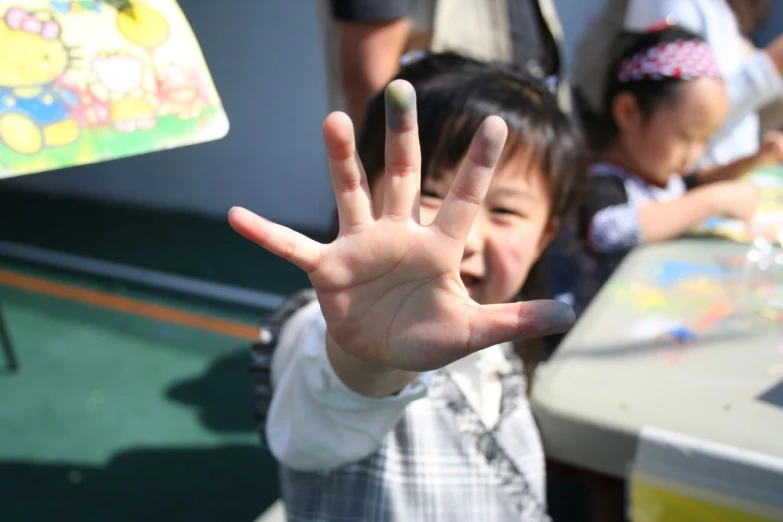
(681, 59)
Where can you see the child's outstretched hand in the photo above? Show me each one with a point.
(389, 288)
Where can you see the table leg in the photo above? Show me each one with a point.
(608, 502)
(5, 341)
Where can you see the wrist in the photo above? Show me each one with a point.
(710, 197)
(364, 377)
(764, 158)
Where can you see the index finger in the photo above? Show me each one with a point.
(471, 183)
(281, 241)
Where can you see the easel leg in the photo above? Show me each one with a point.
(5, 341)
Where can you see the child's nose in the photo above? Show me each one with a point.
(475, 239)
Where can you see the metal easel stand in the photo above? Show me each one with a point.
(12, 362)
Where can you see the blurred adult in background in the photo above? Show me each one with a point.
(752, 15)
(366, 39)
(754, 77)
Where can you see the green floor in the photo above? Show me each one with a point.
(114, 417)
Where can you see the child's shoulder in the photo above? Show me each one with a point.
(262, 352)
(272, 323)
(607, 180)
(602, 169)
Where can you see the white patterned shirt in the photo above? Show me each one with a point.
(456, 444)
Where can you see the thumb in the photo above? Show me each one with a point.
(495, 324)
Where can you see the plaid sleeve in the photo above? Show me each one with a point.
(369, 10)
(611, 221)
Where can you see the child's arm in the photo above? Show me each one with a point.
(659, 221)
(615, 225)
(389, 288)
(308, 419)
(770, 153)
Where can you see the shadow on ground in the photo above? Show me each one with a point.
(227, 482)
(222, 395)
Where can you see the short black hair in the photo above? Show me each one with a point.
(649, 93)
(454, 95)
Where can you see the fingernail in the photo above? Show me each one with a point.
(400, 105)
(550, 317)
(558, 316)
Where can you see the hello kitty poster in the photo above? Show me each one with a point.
(83, 81)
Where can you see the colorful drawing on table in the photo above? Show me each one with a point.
(688, 330)
(768, 222)
(673, 273)
(83, 81)
(652, 328)
(771, 314)
(684, 301)
(671, 281)
(684, 334)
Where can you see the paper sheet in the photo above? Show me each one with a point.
(83, 81)
(774, 397)
(768, 222)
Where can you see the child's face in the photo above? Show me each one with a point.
(672, 139)
(510, 230)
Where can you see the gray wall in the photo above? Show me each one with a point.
(268, 65)
(575, 15)
(266, 61)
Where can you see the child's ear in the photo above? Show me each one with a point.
(626, 111)
(546, 237)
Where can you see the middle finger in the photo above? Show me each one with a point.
(402, 181)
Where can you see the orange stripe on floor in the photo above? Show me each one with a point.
(131, 306)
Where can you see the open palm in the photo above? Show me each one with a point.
(389, 288)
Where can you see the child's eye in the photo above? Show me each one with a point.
(507, 212)
(425, 193)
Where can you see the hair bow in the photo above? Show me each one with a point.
(682, 59)
(19, 19)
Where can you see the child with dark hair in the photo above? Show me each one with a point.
(392, 391)
(664, 100)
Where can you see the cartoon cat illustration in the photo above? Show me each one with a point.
(120, 77)
(180, 92)
(34, 110)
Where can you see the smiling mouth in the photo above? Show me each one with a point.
(469, 281)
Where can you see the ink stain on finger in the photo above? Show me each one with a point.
(547, 317)
(561, 317)
(400, 105)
